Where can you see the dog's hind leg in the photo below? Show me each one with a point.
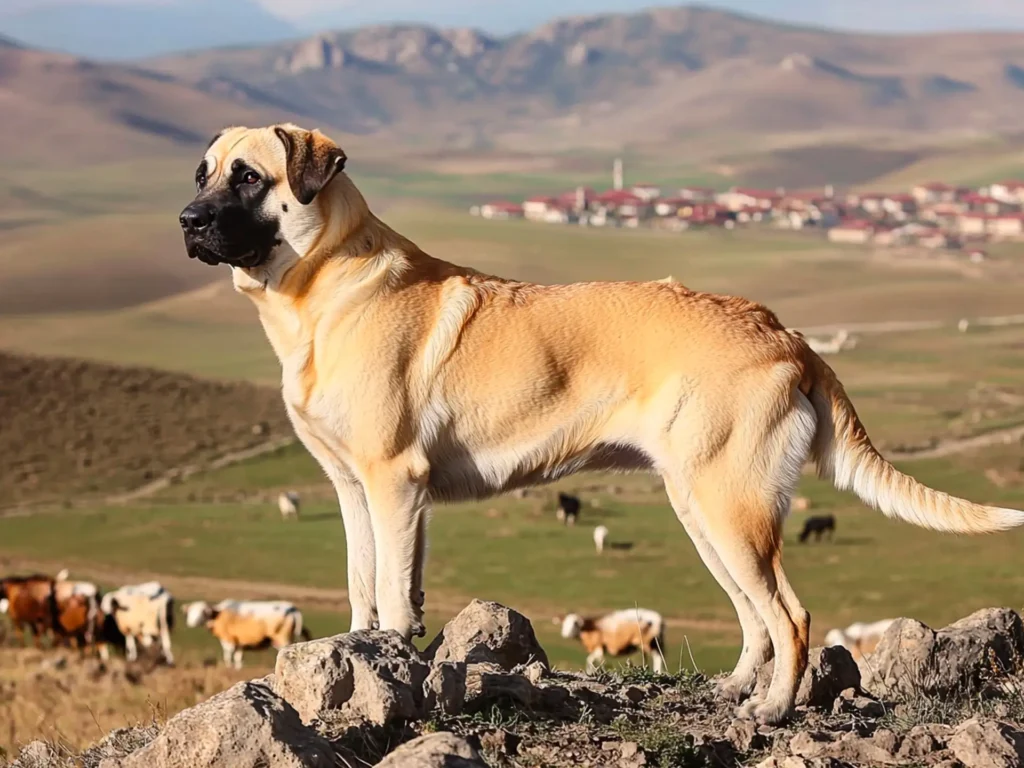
(757, 644)
(740, 498)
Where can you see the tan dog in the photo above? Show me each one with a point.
(411, 380)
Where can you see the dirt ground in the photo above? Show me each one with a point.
(74, 428)
(60, 696)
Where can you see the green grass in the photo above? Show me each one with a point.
(513, 551)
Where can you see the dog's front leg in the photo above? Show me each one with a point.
(361, 552)
(399, 503)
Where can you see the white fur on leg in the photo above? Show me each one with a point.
(362, 557)
(397, 506)
(131, 651)
(228, 649)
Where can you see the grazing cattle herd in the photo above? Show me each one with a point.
(76, 614)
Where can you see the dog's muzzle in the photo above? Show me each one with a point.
(204, 241)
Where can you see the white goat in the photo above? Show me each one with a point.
(288, 503)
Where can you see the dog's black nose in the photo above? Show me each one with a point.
(197, 217)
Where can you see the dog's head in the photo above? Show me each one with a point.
(256, 190)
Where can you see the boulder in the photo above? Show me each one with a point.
(489, 684)
(799, 762)
(487, 632)
(850, 748)
(849, 701)
(445, 688)
(365, 676)
(923, 740)
(987, 745)
(435, 750)
(744, 736)
(829, 672)
(912, 658)
(247, 726)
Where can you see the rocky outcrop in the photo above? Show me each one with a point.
(437, 750)
(376, 677)
(830, 671)
(483, 695)
(247, 726)
(487, 632)
(967, 656)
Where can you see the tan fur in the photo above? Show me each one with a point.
(412, 379)
(252, 632)
(620, 640)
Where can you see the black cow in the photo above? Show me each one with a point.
(568, 509)
(819, 525)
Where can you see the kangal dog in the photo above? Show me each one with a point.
(411, 379)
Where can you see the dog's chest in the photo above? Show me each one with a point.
(322, 424)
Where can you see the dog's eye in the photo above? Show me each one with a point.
(200, 180)
(251, 177)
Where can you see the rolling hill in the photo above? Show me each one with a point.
(77, 428)
(59, 108)
(649, 78)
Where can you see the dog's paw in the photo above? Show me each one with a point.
(766, 712)
(419, 630)
(734, 689)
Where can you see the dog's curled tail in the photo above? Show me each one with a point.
(844, 454)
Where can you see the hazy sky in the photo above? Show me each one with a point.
(506, 15)
(502, 14)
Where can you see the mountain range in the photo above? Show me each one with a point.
(658, 79)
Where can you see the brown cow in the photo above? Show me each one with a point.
(29, 602)
(618, 634)
(76, 621)
(77, 616)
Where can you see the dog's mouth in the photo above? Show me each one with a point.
(246, 260)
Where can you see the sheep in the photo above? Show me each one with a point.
(618, 634)
(288, 503)
(248, 625)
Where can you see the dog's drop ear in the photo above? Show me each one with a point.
(312, 161)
